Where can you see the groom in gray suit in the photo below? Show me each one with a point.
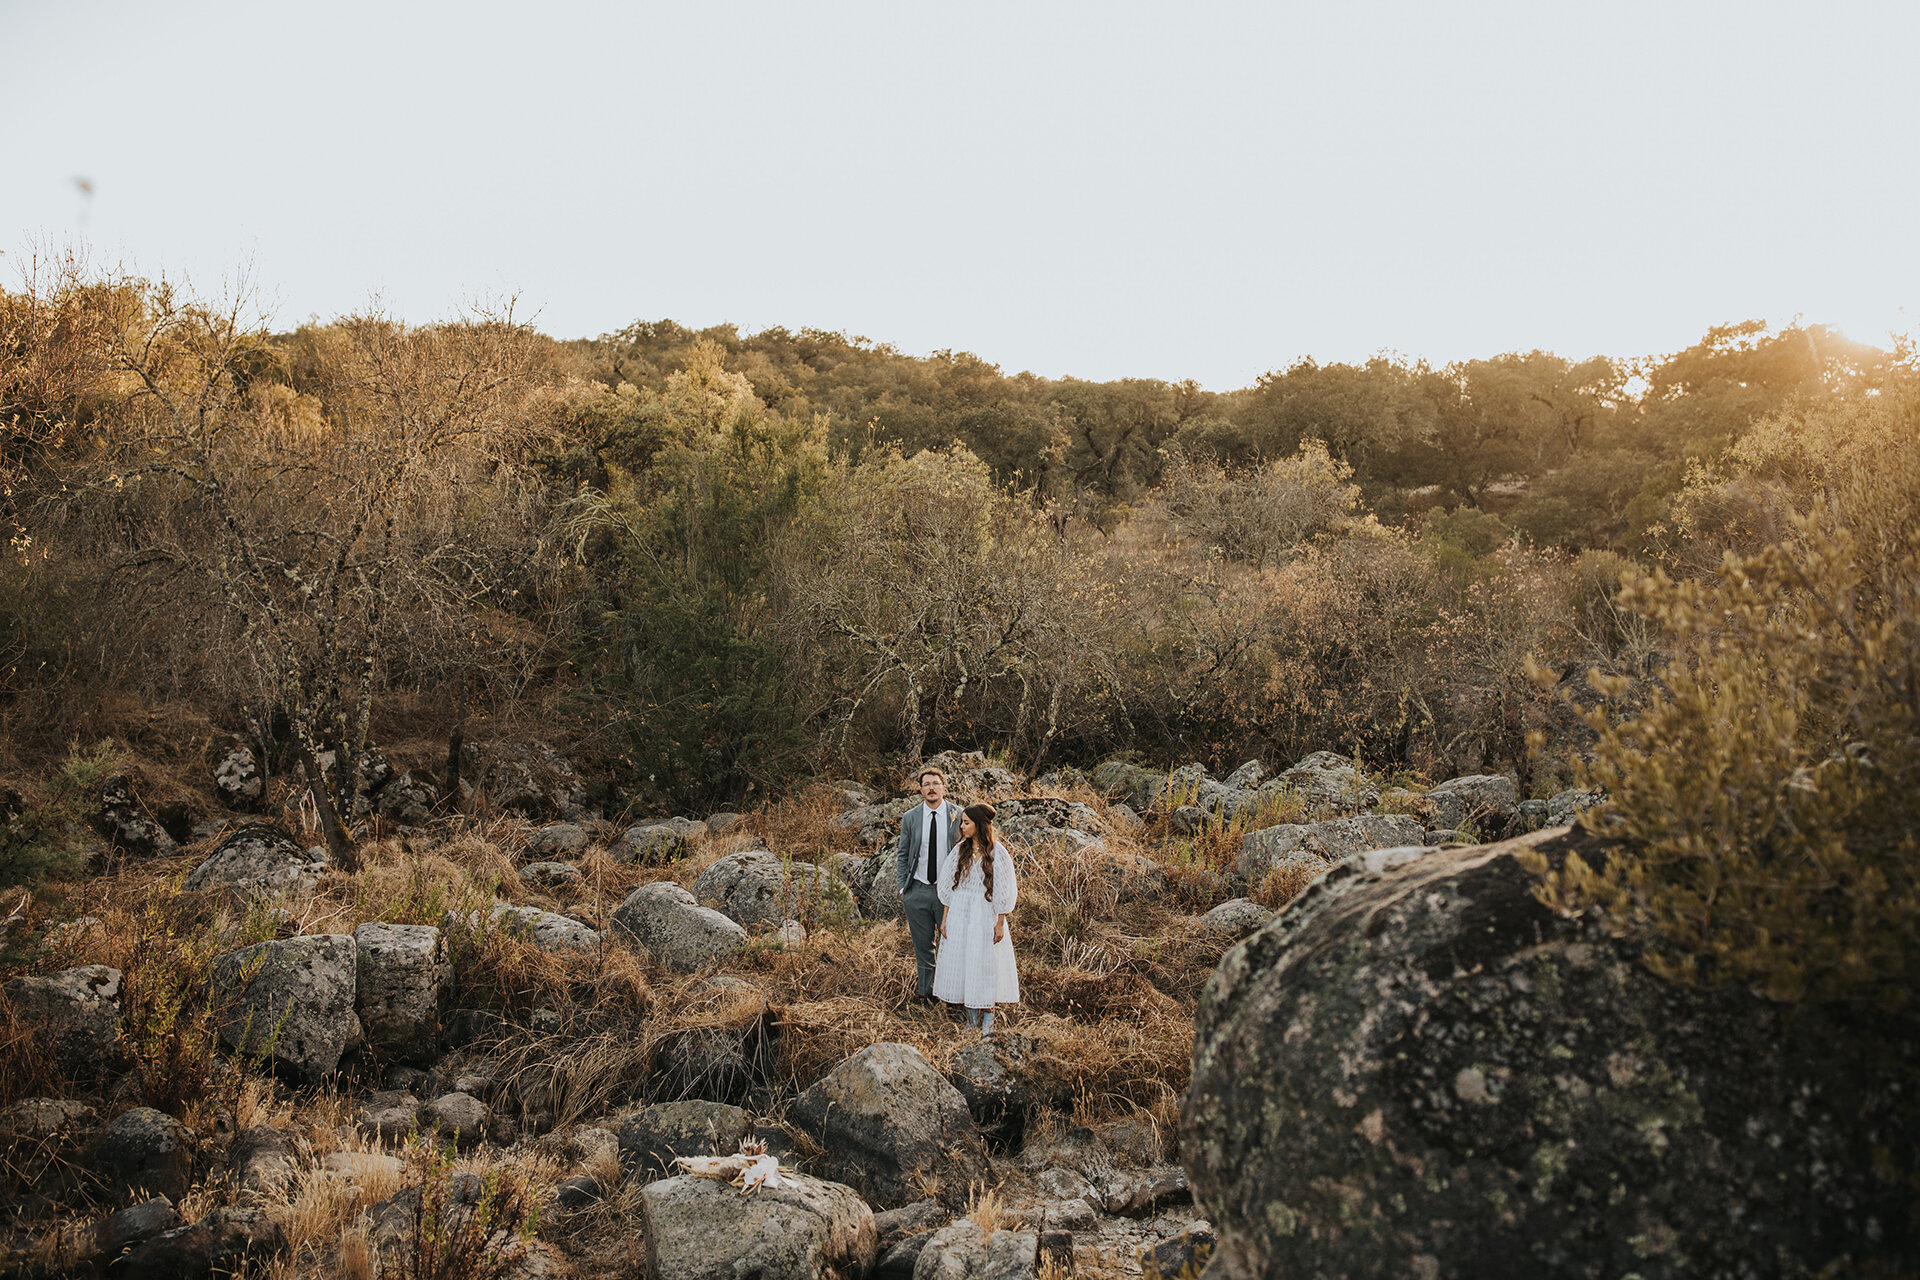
(926, 832)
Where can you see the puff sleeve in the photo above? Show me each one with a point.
(949, 872)
(1005, 891)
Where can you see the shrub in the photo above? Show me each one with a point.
(449, 1240)
(47, 841)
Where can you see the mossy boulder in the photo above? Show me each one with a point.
(1419, 1070)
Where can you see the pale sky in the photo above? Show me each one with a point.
(1102, 189)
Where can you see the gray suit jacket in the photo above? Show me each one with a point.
(913, 830)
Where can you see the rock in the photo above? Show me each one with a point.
(236, 775)
(957, 1252)
(877, 823)
(706, 1229)
(1158, 1188)
(354, 1165)
(1246, 777)
(664, 921)
(721, 1063)
(552, 875)
(390, 1115)
(74, 1014)
(132, 1225)
(535, 781)
(1316, 845)
(1531, 815)
(1487, 800)
(882, 898)
(650, 1139)
(125, 823)
(291, 998)
(894, 1225)
(144, 1150)
(891, 1126)
(37, 1120)
(1236, 919)
(1139, 787)
(1439, 836)
(547, 930)
(1566, 806)
(1327, 781)
(756, 887)
(225, 1242)
(261, 1160)
(409, 799)
(460, 1117)
(262, 861)
(1186, 819)
(851, 794)
(1426, 1071)
(719, 824)
(1182, 1258)
(1136, 877)
(558, 840)
(578, 1192)
(653, 843)
(993, 1074)
(1123, 817)
(401, 988)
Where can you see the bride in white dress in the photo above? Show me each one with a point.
(975, 965)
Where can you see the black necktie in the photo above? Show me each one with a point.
(933, 835)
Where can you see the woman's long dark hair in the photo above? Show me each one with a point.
(978, 845)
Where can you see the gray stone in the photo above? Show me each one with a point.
(1123, 817)
(534, 780)
(893, 1128)
(1440, 836)
(664, 921)
(390, 1115)
(1184, 1256)
(458, 1116)
(354, 1165)
(958, 1252)
(558, 840)
(144, 1150)
(409, 799)
(650, 1139)
(1139, 787)
(37, 1120)
(755, 887)
(291, 998)
(1246, 777)
(706, 1229)
(719, 824)
(1532, 815)
(402, 974)
(1565, 806)
(225, 1242)
(578, 1192)
(894, 1225)
(1237, 918)
(1135, 877)
(1186, 819)
(132, 1225)
(1327, 781)
(721, 1063)
(75, 1015)
(1427, 1071)
(1317, 845)
(125, 822)
(656, 842)
(552, 875)
(260, 860)
(1487, 800)
(877, 823)
(237, 777)
(547, 930)
(261, 1160)
(997, 1077)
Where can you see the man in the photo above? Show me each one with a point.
(926, 833)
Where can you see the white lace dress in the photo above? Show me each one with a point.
(970, 968)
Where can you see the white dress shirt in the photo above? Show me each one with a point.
(930, 840)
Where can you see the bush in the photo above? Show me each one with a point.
(48, 841)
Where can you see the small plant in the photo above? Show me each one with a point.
(986, 1211)
(47, 841)
(450, 1238)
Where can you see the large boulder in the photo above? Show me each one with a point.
(876, 823)
(1327, 781)
(260, 860)
(292, 998)
(409, 799)
(1315, 846)
(1423, 1071)
(893, 1128)
(75, 1016)
(664, 921)
(401, 988)
(1487, 800)
(144, 1151)
(755, 887)
(652, 1137)
(706, 1229)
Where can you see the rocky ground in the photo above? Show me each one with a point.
(489, 1045)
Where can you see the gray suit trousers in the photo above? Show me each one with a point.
(922, 907)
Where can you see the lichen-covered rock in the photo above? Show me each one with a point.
(663, 920)
(892, 1128)
(722, 1063)
(875, 823)
(1487, 800)
(129, 827)
(1318, 845)
(144, 1150)
(408, 799)
(547, 930)
(236, 774)
(1327, 781)
(390, 1115)
(260, 860)
(75, 1015)
(706, 1229)
(401, 988)
(459, 1117)
(1000, 1079)
(261, 1160)
(226, 1242)
(651, 1138)
(1139, 787)
(292, 997)
(39, 1119)
(1423, 1071)
(959, 1252)
(658, 841)
(534, 780)
(754, 887)
(557, 841)
(1237, 918)
(130, 1226)
(1563, 807)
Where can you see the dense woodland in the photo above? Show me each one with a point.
(710, 563)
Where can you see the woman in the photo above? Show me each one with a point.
(975, 966)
